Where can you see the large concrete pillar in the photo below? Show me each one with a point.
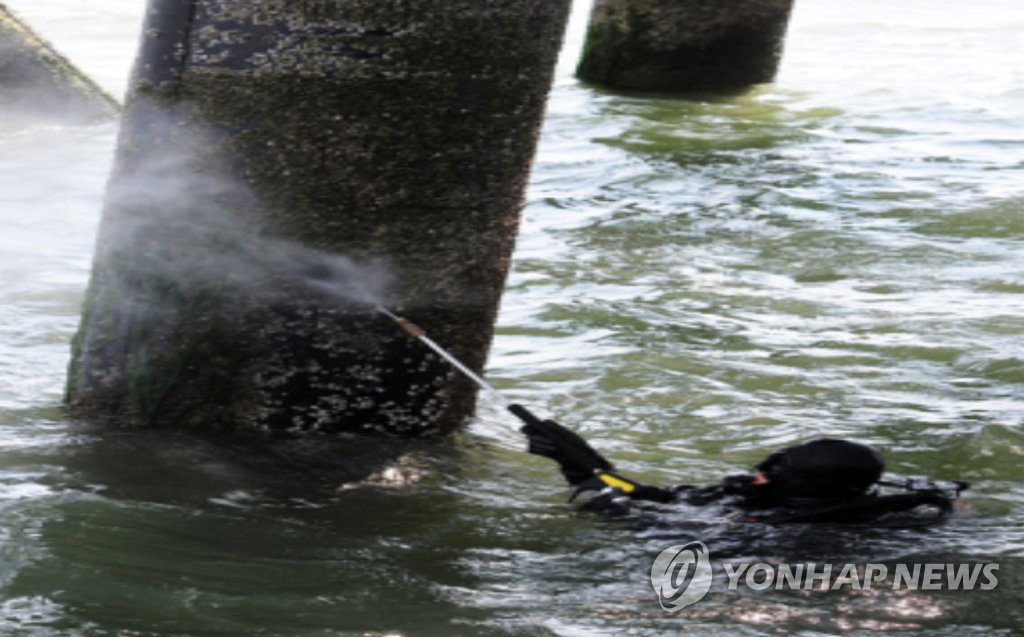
(684, 45)
(264, 144)
(38, 82)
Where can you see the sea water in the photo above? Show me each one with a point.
(697, 283)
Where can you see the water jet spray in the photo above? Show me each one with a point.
(546, 437)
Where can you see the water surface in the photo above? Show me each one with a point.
(697, 282)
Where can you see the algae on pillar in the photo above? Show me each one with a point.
(684, 45)
(271, 147)
(38, 82)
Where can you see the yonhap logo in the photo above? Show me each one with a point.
(681, 575)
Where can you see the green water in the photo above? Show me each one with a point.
(697, 283)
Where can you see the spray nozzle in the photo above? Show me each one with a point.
(414, 330)
(418, 333)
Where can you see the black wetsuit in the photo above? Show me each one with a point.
(741, 501)
(824, 480)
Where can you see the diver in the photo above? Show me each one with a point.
(823, 480)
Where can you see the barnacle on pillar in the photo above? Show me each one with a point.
(381, 130)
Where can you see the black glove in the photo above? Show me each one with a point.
(577, 459)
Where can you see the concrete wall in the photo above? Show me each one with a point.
(263, 139)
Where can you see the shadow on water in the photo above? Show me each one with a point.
(158, 532)
(706, 131)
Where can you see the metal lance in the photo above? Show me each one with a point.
(418, 333)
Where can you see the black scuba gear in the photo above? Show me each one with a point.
(876, 509)
(822, 468)
(824, 480)
(920, 504)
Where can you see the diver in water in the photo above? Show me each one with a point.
(824, 480)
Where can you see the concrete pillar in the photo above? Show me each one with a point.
(684, 45)
(267, 142)
(38, 82)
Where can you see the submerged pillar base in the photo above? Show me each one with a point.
(684, 45)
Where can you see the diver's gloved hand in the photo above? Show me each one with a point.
(577, 459)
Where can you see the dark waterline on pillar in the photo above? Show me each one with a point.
(680, 46)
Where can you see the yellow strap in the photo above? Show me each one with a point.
(616, 483)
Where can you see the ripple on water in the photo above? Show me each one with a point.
(696, 283)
